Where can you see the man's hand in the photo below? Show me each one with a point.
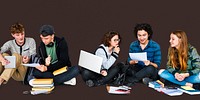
(4, 61)
(25, 59)
(48, 60)
(42, 68)
(147, 62)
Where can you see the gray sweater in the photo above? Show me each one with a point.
(107, 62)
(27, 49)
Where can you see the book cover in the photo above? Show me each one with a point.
(42, 81)
(42, 88)
(169, 91)
(189, 90)
(117, 90)
(156, 84)
(59, 71)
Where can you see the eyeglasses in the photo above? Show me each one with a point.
(116, 40)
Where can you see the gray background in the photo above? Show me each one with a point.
(83, 23)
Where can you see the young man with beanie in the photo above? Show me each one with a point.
(54, 55)
(22, 48)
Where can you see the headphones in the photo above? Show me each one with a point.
(50, 44)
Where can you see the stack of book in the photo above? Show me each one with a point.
(160, 87)
(42, 85)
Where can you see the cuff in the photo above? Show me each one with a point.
(114, 54)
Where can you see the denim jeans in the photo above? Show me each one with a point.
(60, 78)
(165, 74)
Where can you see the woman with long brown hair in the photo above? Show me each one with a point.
(183, 64)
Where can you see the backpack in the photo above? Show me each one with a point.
(29, 73)
(120, 78)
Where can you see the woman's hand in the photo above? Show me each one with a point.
(104, 73)
(179, 77)
(116, 49)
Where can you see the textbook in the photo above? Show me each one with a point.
(42, 81)
(59, 71)
(169, 91)
(189, 90)
(118, 90)
(156, 84)
(42, 88)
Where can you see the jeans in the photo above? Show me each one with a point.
(90, 75)
(136, 73)
(165, 74)
(60, 78)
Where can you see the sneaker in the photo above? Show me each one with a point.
(89, 83)
(146, 80)
(71, 82)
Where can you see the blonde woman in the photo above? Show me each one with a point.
(183, 65)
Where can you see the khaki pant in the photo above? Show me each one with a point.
(17, 73)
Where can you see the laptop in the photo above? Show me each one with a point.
(90, 61)
(12, 60)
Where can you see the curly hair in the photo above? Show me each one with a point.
(17, 28)
(143, 26)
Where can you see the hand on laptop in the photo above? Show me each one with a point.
(104, 73)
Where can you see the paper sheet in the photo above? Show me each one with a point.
(31, 65)
(12, 60)
(138, 56)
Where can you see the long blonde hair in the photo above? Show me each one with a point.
(178, 57)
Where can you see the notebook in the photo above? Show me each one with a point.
(12, 60)
(189, 90)
(90, 61)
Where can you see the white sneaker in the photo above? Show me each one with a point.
(71, 82)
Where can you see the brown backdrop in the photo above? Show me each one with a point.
(83, 23)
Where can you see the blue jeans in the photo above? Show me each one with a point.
(165, 74)
(60, 78)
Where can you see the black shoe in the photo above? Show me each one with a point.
(146, 80)
(89, 83)
(196, 86)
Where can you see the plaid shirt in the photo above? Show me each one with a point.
(152, 49)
